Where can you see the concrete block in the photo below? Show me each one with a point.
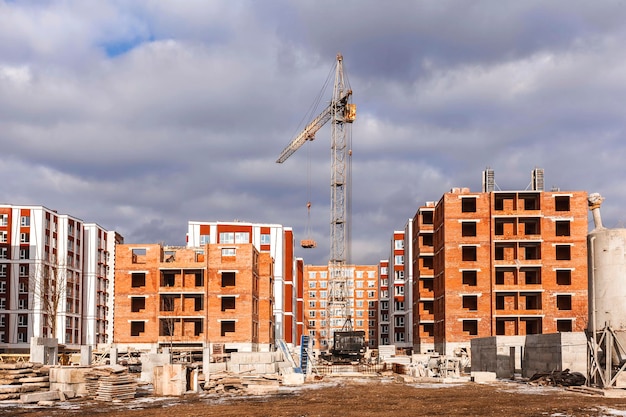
(483, 376)
(293, 379)
(35, 397)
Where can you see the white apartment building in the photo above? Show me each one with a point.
(43, 290)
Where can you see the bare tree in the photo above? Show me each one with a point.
(171, 310)
(47, 283)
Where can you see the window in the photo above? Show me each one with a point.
(468, 205)
(399, 305)
(311, 323)
(562, 228)
(470, 302)
(399, 290)
(312, 294)
(22, 304)
(563, 252)
(138, 279)
(312, 284)
(24, 237)
(22, 320)
(3, 270)
(137, 304)
(371, 294)
(228, 303)
(4, 219)
(3, 237)
(323, 294)
(359, 293)
(563, 326)
(468, 253)
(359, 284)
(312, 314)
(311, 304)
(399, 259)
(23, 287)
(359, 303)
(427, 240)
(25, 221)
(470, 327)
(242, 237)
(564, 302)
(23, 270)
(383, 270)
(3, 303)
(229, 252)
(265, 239)
(168, 279)
(399, 337)
(322, 284)
(563, 277)
(470, 278)
(227, 237)
(561, 203)
(137, 327)
(24, 253)
(359, 313)
(427, 217)
(199, 278)
(399, 275)
(468, 229)
(399, 321)
(3, 288)
(4, 253)
(399, 244)
(138, 254)
(228, 279)
(205, 239)
(371, 284)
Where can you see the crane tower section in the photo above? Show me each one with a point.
(341, 113)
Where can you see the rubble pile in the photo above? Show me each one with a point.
(22, 377)
(108, 383)
(558, 379)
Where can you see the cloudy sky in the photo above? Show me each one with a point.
(142, 115)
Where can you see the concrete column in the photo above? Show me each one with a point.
(85, 355)
(206, 360)
(113, 355)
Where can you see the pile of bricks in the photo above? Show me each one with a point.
(22, 377)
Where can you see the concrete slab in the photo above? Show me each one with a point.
(35, 397)
(483, 376)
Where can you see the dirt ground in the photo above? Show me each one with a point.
(344, 397)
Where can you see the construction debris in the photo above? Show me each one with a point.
(226, 382)
(558, 379)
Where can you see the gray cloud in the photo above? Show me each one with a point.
(143, 116)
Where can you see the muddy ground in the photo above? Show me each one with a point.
(343, 397)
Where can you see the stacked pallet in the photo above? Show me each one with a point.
(108, 383)
(22, 377)
(225, 382)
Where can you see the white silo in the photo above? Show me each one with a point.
(607, 302)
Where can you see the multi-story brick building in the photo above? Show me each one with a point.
(383, 302)
(506, 263)
(400, 272)
(423, 294)
(214, 294)
(52, 283)
(362, 291)
(278, 241)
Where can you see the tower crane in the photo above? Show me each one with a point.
(341, 113)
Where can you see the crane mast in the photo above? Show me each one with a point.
(341, 113)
